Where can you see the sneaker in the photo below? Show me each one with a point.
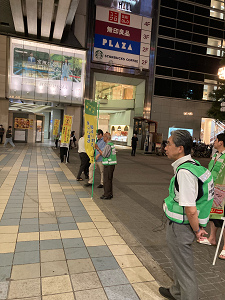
(79, 179)
(88, 184)
(100, 186)
(166, 293)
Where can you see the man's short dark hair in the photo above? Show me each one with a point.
(182, 138)
(100, 131)
(221, 137)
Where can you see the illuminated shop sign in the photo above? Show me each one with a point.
(139, 7)
(46, 72)
(122, 38)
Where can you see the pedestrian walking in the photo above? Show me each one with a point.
(64, 151)
(109, 161)
(84, 160)
(214, 167)
(98, 160)
(187, 208)
(9, 137)
(2, 131)
(134, 142)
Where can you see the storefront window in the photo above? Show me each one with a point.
(114, 91)
(119, 133)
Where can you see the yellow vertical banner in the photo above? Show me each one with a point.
(66, 129)
(90, 127)
(56, 127)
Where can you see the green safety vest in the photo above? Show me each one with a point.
(215, 167)
(175, 212)
(111, 160)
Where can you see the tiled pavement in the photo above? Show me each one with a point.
(55, 242)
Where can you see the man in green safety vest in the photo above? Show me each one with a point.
(187, 208)
(214, 167)
(109, 161)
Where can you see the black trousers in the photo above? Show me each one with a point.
(1, 138)
(107, 180)
(84, 164)
(133, 151)
(64, 151)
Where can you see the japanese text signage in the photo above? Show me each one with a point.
(66, 129)
(56, 127)
(90, 127)
(122, 38)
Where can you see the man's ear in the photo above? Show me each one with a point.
(181, 149)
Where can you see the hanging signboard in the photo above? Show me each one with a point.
(56, 127)
(122, 38)
(66, 129)
(90, 127)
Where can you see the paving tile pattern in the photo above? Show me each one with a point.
(140, 184)
(55, 242)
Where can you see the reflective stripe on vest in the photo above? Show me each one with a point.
(214, 167)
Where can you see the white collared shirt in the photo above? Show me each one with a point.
(188, 183)
(81, 147)
(219, 154)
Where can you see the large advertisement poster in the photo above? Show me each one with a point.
(90, 127)
(46, 72)
(122, 38)
(217, 210)
(21, 123)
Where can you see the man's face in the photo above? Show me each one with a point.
(99, 136)
(172, 151)
(216, 144)
(105, 138)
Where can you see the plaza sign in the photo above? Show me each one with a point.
(122, 38)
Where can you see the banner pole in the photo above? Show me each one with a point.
(92, 191)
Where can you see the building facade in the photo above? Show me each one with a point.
(150, 65)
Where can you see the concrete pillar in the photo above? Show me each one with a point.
(77, 114)
(80, 22)
(4, 111)
(4, 104)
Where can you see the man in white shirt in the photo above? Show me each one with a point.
(84, 160)
(187, 208)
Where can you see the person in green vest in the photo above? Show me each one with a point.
(109, 161)
(187, 208)
(214, 167)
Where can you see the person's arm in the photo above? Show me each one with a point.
(188, 192)
(192, 215)
(106, 152)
